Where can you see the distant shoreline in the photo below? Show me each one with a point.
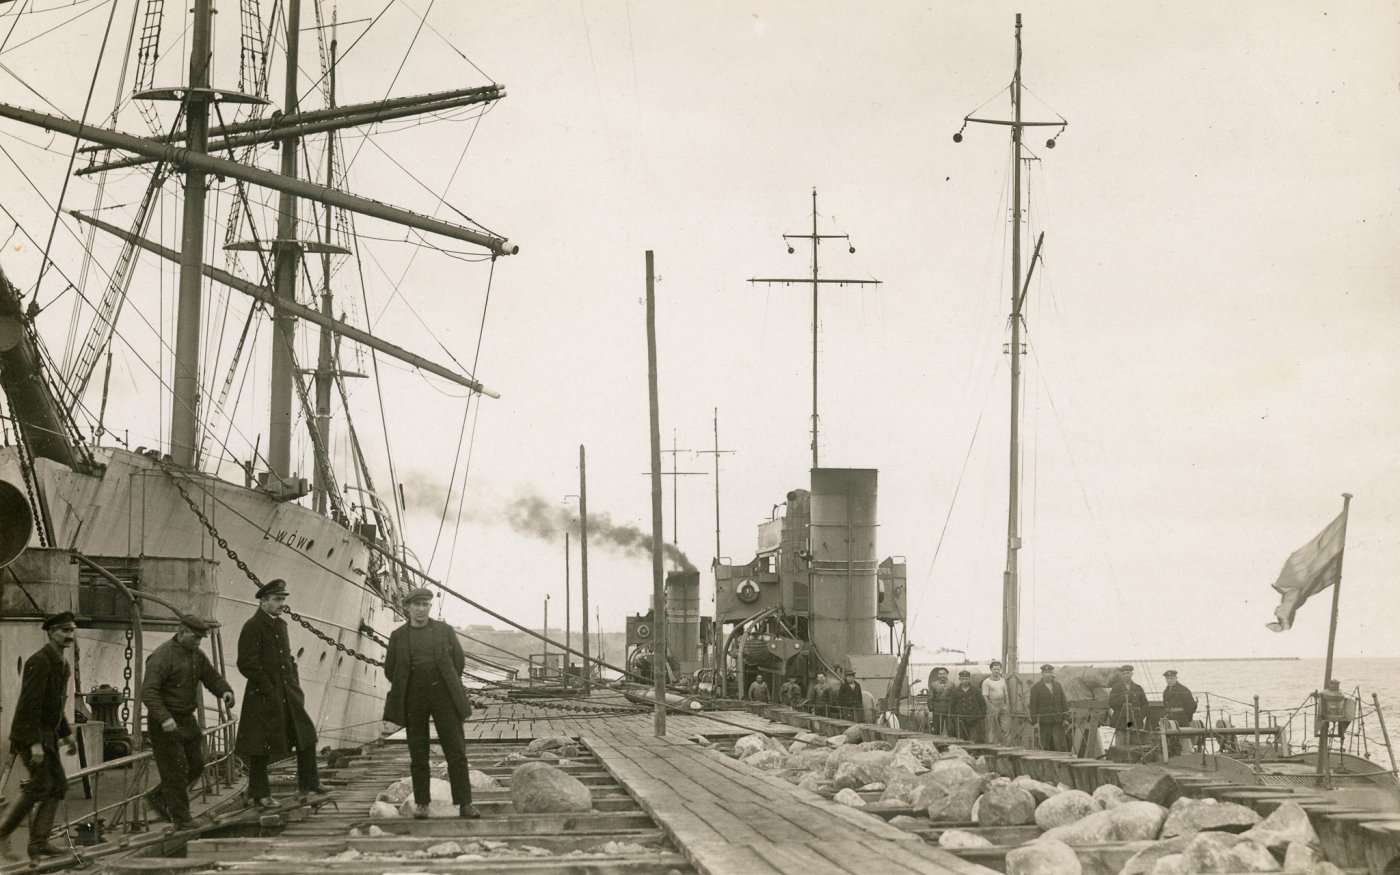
(1192, 659)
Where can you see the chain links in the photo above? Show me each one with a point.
(126, 677)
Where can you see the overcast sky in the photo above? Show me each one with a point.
(1212, 354)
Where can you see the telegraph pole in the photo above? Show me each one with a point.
(716, 452)
(675, 490)
(817, 283)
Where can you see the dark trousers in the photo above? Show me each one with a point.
(430, 699)
(308, 778)
(179, 757)
(47, 784)
(969, 728)
(1052, 736)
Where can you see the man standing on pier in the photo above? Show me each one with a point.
(998, 705)
(819, 697)
(850, 698)
(1180, 706)
(274, 717)
(939, 702)
(170, 692)
(38, 728)
(758, 690)
(790, 693)
(424, 666)
(1128, 702)
(967, 708)
(1050, 710)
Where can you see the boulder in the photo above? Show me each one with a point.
(961, 838)
(836, 740)
(875, 745)
(1043, 857)
(1188, 816)
(923, 751)
(798, 747)
(548, 743)
(1039, 789)
(1005, 805)
(1065, 808)
(899, 785)
(444, 849)
(814, 782)
(953, 752)
(539, 788)
(949, 794)
(809, 738)
(1111, 795)
(1286, 824)
(749, 745)
(1094, 829)
(873, 787)
(1219, 852)
(397, 792)
(907, 763)
(874, 761)
(440, 806)
(905, 822)
(1150, 783)
(854, 734)
(1144, 860)
(767, 760)
(568, 751)
(811, 759)
(481, 781)
(855, 774)
(1168, 865)
(850, 797)
(1302, 857)
(1137, 821)
(383, 809)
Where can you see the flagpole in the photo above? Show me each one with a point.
(1337, 589)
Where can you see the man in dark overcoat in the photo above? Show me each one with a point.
(1128, 702)
(424, 666)
(170, 692)
(1050, 710)
(274, 718)
(850, 698)
(39, 726)
(1180, 707)
(966, 708)
(819, 697)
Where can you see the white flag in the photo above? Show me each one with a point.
(1311, 569)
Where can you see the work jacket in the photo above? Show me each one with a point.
(449, 663)
(1129, 704)
(1048, 704)
(273, 697)
(39, 717)
(170, 686)
(1180, 704)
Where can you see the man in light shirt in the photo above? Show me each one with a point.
(998, 705)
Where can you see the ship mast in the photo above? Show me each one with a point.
(287, 254)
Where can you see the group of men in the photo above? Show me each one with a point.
(979, 713)
(423, 664)
(843, 699)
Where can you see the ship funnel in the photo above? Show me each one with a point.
(16, 523)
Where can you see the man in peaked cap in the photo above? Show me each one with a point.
(274, 718)
(1050, 710)
(170, 692)
(39, 726)
(967, 708)
(1128, 704)
(424, 666)
(1180, 706)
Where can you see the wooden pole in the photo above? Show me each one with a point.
(583, 565)
(568, 612)
(1258, 766)
(1337, 589)
(658, 592)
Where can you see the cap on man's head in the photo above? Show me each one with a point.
(996, 663)
(964, 674)
(272, 587)
(1169, 673)
(420, 594)
(1127, 668)
(850, 672)
(1047, 668)
(61, 620)
(195, 624)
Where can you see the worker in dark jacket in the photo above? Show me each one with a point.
(1128, 704)
(39, 727)
(424, 666)
(966, 708)
(850, 699)
(939, 702)
(1050, 710)
(1180, 707)
(790, 693)
(758, 690)
(274, 718)
(170, 692)
(818, 699)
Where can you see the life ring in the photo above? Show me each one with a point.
(643, 630)
(747, 592)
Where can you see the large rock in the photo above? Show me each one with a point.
(750, 745)
(809, 738)
(854, 734)
(961, 838)
(439, 791)
(814, 782)
(1302, 857)
(768, 760)
(1169, 865)
(949, 793)
(847, 796)
(482, 781)
(397, 792)
(923, 751)
(1221, 852)
(1043, 857)
(1188, 816)
(1143, 862)
(380, 808)
(798, 747)
(1065, 808)
(1111, 795)
(857, 773)
(810, 760)
(907, 823)
(1150, 783)
(1005, 805)
(539, 788)
(1286, 824)
(874, 760)
(953, 752)
(1095, 829)
(1137, 821)
(548, 743)
(836, 740)
(875, 745)
(907, 763)
(1039, 789)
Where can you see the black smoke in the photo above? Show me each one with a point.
(532, 515)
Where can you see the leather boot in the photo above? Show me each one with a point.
(39, 830)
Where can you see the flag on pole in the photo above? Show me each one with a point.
(1312, 568)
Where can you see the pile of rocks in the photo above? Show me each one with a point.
(535, 788)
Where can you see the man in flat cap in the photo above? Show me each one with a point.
(274, 718)
(39, 726)
(1180, 707)
(1128, 704)
(967, 708)
(424, 666)
(170, 692)
(1050, 710)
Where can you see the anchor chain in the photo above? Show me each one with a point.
(126, 678)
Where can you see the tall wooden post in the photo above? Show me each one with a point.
(659, 665)
(568, 612)
(583, 561)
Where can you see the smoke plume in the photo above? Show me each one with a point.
(532, 515)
